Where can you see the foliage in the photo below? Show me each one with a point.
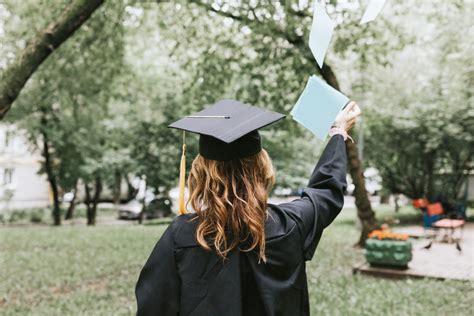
(256, 53)
(429, 153)
(105, 97)
(18, 24)
(65, 104)
(420, 122)
(43, 275)
(23, 216)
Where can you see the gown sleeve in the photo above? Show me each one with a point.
(323, 198)
(158, 287)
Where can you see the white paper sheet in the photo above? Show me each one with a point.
(372, 10)
(321, 33)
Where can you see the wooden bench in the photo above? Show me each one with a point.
(433, 220)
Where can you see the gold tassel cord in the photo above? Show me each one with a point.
(182, 180)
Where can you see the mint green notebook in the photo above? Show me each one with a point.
(318, 106)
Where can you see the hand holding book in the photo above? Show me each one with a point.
(345, 120)
(347, 117)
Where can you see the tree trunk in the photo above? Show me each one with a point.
(72, 204)
(364, 208)
(97, 192)
(117, 188)
(88, 203)
(430, 178)
(40, 47)
(52, 180)
(91, 202)
(397, 205)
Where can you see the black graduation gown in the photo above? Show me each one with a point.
(180, 278)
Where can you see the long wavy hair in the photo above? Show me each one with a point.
(230, 199)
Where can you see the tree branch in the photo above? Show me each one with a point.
(40, 47)
(295, 40)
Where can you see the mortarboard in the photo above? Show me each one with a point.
(227, 130)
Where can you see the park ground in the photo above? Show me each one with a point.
(79, 270)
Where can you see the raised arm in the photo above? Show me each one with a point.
(323, 198)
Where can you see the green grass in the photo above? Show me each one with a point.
(335, 291)
(92, 271)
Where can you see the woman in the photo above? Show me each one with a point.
(236, 254)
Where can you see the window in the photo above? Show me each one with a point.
(7, 176)
(8, 136)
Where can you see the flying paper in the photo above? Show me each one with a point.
(318, 106)
(373, 9)
(321, 33)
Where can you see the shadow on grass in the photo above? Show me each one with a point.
(158, 221)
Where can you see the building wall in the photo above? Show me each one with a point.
(19, 165)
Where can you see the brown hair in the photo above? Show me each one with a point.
(231, 195)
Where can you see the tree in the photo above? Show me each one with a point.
(66, 102)
(116, 84)
(427, 115)
(48, 163)
(429, 154)
(40, 47)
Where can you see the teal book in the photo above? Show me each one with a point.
(318, 106)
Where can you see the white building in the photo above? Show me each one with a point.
(20, 184)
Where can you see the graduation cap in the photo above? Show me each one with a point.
(227, 130)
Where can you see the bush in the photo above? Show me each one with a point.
(37, 216)
(17, 215)
(33, 215)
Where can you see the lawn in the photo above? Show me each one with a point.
(77, 270)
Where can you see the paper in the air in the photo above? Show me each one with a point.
(373, 9)
(321, 33)
(318, 106)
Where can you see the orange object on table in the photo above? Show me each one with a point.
(420, 203)
(435, 209)
(449, 223)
